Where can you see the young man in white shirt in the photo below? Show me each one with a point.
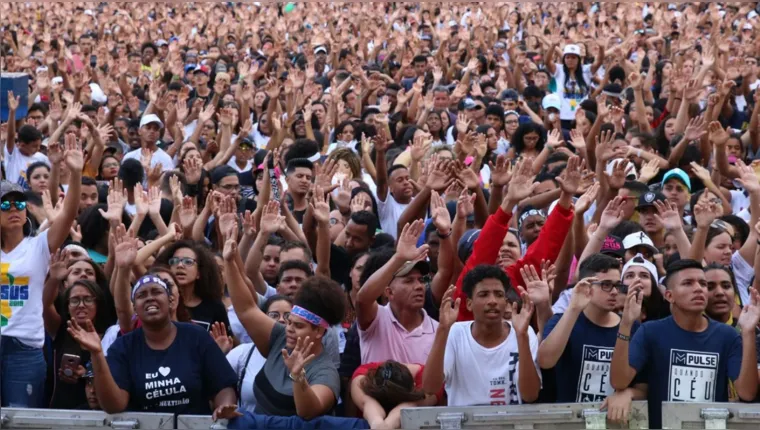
(487, 361)
(394, 190)
(150, 131)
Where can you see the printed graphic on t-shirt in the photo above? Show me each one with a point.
(205, 324)
(594, 380)
(162, 389)
(693, 376)
(14, 292)
(503, 389)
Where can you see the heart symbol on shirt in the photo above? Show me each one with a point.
(164, 370)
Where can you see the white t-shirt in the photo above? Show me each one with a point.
(16, 164)
(233, 163)
(160, 156)
(237, 358)
(475, 375)
(109, 337)
(571, 101)
(22, 278)
(390, 211)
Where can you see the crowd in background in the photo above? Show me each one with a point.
(328, 212)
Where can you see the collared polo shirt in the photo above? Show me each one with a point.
(386, 339)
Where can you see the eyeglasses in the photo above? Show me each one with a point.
(185, 261)
(512, 122)
(6, 205)
(607, 286)
(76, 301)
(230, 187)
(276, 315)
(110, 165)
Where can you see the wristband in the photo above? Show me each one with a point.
(444, 236)
(298, 378)
(623, 337)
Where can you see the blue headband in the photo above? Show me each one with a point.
(149, 279)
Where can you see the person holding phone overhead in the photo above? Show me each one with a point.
(180, 368)
(24, 261)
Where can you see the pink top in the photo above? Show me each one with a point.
(386, 339)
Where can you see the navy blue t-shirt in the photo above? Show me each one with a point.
(684, 366)
(583, 370)
(181, 379)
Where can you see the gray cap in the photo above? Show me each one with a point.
(7, 187)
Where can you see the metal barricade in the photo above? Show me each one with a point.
(574, 416)
(739, 416)
(199, 422)
(17, 418)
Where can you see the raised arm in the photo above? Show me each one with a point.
(406, 251)
(271, 221)
(433, 376)
(256, 323)
(74, 159)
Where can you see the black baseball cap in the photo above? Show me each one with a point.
(647, 199)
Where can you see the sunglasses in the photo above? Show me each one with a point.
(6, 205)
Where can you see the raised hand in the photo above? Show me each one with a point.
(747, 177)
(667, 214)
(718, 135)
(271, 220)
(154, 201)
(13, 101)
(570, 179)
(59, 265)
(116, 200)
(501, 172)
(577, 139)
(521, 320)
(228, 217)
(192, 168)
(612, 215)
(125, 248)
(360, 202)
(86, 337)
(585, 201)
(581, 294)
(695, 129)
(449, 311)
(219, 334)
(188, 213)
(632, 308)
(538, 289)
(73, 155)
(324, 175)
(521, 186)
(439, 213)
(406, 247)
(320, 207)
(465, 204)
(297, 360)
(649, 170)
(440, 175)
(705, 213)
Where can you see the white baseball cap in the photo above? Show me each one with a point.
(150, 118)
(552, 101)
(640, 261)
(639, 239)
(572, 50)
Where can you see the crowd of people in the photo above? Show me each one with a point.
(334, 211)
